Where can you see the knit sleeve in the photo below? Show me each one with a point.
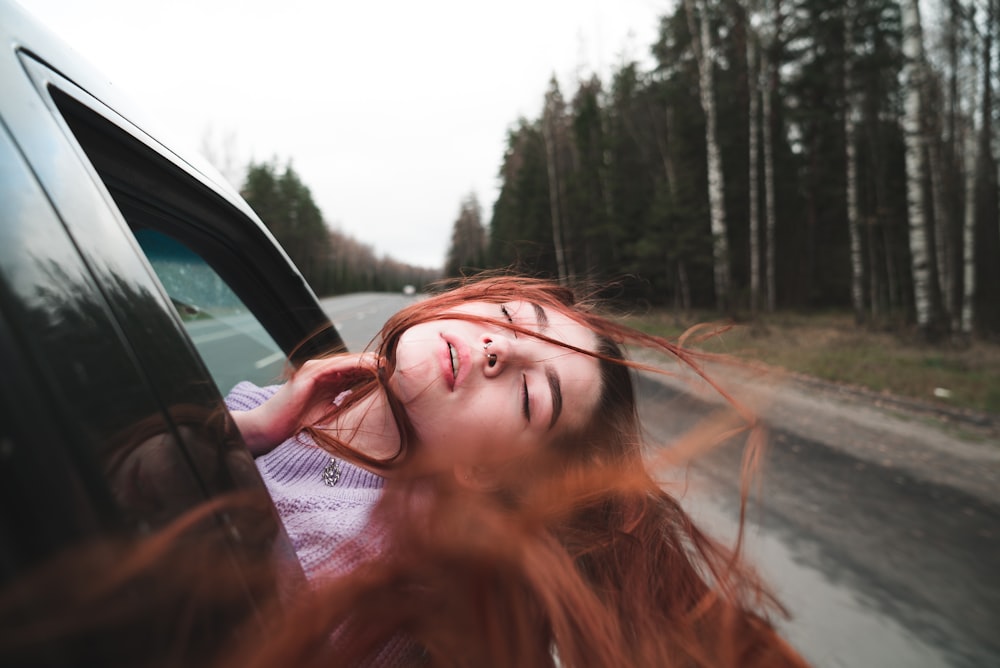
(245, 396)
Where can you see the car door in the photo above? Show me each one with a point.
(111, 419)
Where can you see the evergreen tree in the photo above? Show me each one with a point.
(632, 179)
(468, 239)
(521, 226)
(587, 198)
(286, 206)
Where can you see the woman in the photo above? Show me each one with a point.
(480, 482)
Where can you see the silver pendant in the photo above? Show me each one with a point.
(331, 474)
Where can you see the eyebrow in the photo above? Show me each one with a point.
(555, 387)
(541, 316)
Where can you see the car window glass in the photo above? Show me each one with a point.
(233, 344)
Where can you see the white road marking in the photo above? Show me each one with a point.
(270, 359)
(205, 338)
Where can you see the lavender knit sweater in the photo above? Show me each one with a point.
(328, 525)
(320, 520)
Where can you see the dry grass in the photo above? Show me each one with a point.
(831, 347)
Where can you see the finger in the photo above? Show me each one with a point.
(339, 365)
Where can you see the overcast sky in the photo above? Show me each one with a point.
(391, 112)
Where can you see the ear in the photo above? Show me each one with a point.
(476, 478)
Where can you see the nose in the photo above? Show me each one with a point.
(498, 353)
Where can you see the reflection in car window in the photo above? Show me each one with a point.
(229, 338)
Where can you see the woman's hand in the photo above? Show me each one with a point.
(278, 418)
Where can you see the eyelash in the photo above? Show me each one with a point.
(525, 400)
(506, 314)
(525, 403)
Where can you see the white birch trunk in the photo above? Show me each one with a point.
(970, 149)
(850, 135)
(913, 52)
(752, 168)
(772, 75)
(969, 227)
(705, 56)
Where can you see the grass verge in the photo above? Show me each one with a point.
(831, 347)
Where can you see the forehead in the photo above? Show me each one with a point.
(580, 374)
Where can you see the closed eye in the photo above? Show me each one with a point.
(525, 402)
(506, 314)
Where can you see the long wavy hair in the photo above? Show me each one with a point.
(574, 551)
(571, 555)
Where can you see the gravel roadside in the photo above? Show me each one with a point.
(957, 448)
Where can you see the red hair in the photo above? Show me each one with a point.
(574, 555)
(576, 548)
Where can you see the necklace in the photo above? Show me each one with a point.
(331, 474)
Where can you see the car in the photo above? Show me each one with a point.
(136, 287)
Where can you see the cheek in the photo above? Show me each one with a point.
(411, 381)
(416, 370)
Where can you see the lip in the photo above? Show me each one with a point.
(464, 362)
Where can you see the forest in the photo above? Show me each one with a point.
(780, 155)
(331, 261)
(805, 154)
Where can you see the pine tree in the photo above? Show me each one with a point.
(286, 206)
(468, 240)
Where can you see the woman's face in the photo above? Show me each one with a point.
(478, 392)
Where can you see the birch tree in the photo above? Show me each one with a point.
(969, 223)
(851, 164)
(954, 167)
(704, 51)
(753, 112)
(914, 76)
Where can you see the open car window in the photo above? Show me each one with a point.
(232, 342)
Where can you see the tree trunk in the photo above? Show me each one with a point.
(913, 127)
(938, 226)
(752, 168)
(684, 285)
(986, 244)
(970, 160)
(896, 299)
(851, 161)
(701, 39)
(874, 288)
(550, 135)
(941, 248)
(956, 165)
(969, 227)
(773, 75)
(670, 170)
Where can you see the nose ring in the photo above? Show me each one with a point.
(491, 358)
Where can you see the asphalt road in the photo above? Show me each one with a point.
(878, 528)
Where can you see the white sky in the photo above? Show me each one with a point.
(391, 112)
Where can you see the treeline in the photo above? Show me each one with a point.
(331, 262)
(781, 154)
